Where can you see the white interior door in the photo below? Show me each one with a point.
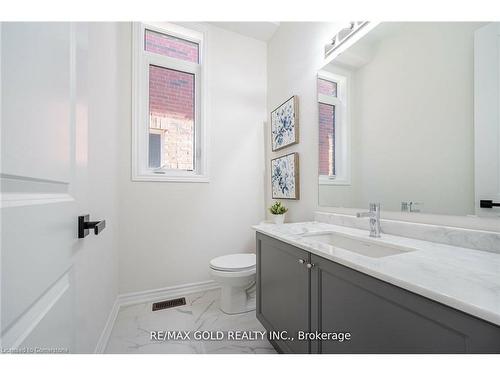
(44, 147)
(487, 117)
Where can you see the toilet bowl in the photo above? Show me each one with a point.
(235, 274)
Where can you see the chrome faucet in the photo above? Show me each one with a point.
(374, 215)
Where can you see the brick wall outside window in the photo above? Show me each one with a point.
(326, 139)
(170, 46)
(327, 87)
(171, 110)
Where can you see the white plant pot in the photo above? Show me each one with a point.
(279, 219)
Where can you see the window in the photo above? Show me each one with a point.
(326, 139)
(168, 45)
(169, 130)
(334, 135)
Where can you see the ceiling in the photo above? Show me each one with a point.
(257, 30)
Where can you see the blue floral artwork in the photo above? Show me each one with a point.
(284, 177)
(284, 124)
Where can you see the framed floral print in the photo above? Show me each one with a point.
(285, 124)
(285, 176)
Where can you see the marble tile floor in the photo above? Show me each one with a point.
(131, 332)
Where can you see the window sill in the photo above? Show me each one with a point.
(154, 177)
(325, 180)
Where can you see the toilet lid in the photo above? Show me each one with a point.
(233, 262)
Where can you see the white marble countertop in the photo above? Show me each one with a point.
(465, 279)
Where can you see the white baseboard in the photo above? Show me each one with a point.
(151, 295)
(165, 293)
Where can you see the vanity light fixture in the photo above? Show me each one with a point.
(343, 35)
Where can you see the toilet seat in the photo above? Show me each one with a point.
(233, 263)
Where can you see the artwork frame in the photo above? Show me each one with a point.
(285, 124)
(285, 181)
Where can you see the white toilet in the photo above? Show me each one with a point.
(236, 275)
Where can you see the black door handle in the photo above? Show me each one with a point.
(84, 225)
(488, 204)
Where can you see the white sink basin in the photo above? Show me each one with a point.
(369, 248)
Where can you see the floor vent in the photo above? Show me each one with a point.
(169, 303)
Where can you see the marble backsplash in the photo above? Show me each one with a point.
(469, 238)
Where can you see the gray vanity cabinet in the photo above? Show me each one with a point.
(283, 292)
(381, 317)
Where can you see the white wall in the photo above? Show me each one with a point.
(170, 231)
(412, 122)
(295, 54)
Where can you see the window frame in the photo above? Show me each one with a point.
(141, 60)
(342, 148)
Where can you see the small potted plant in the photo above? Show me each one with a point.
(278, 210)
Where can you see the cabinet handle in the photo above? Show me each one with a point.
(310, 265)
(302, 261)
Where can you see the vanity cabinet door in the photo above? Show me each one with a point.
(283, 291)
(383, 318)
